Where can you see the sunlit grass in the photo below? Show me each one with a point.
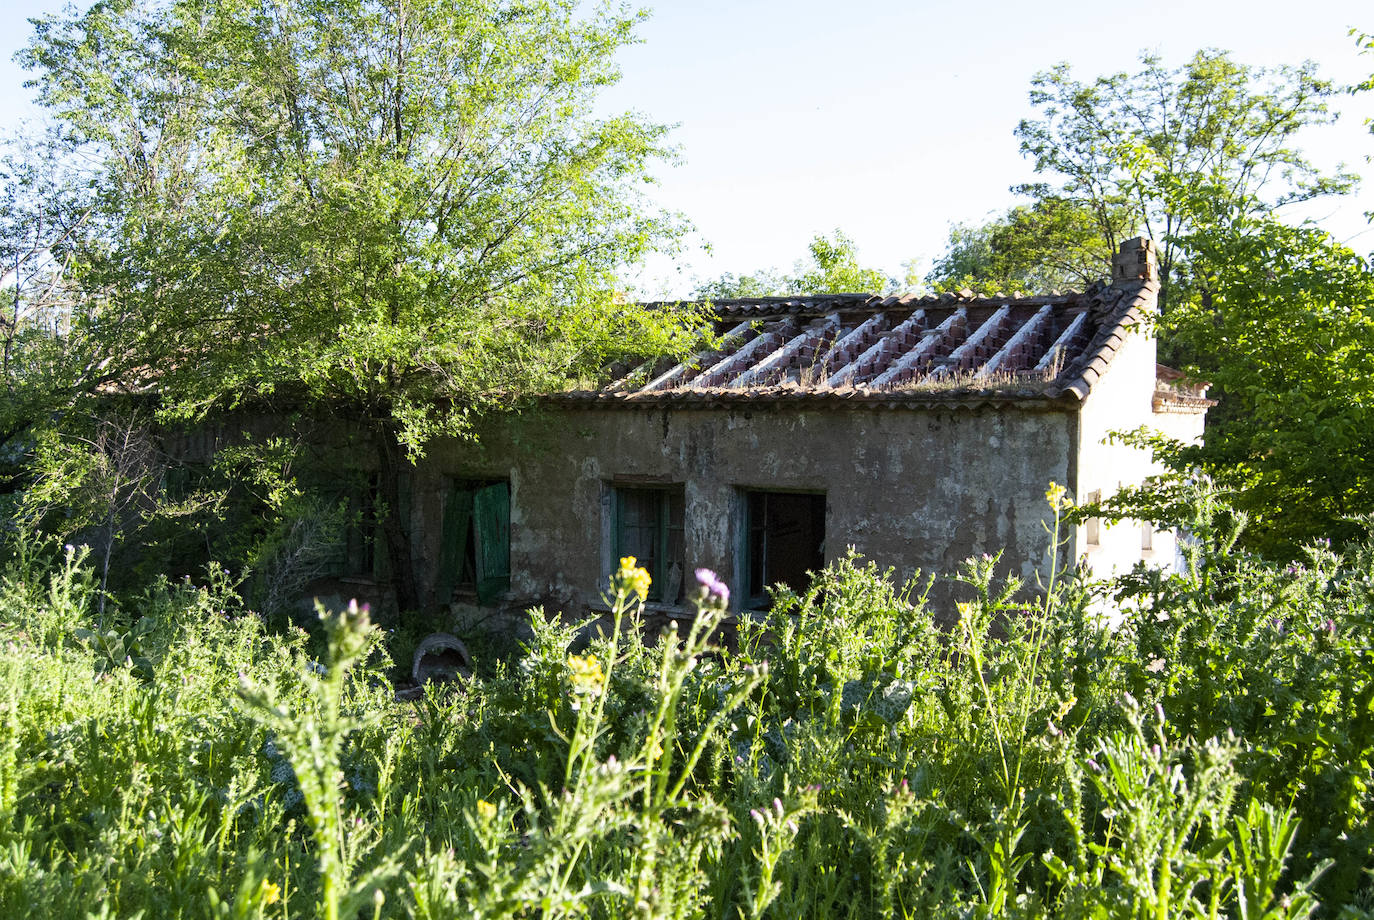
(844, 757)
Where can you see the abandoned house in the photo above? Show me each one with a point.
(918, 430)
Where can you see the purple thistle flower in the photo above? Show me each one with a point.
(716, 590)
(1329, 626)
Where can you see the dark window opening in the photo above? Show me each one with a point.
(786, 540)
(649, 526)
(364, 530)
(361, 553)
(181, 481)
(475, 554)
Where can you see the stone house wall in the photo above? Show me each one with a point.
(908, 488)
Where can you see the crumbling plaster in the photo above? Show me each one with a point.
(911, 488)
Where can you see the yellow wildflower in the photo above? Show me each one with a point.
(271, 892)
(1056, 496)
(485, 810)
(587, 677)
(632, 578)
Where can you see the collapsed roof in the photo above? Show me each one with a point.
(897, 349)
(913, 350)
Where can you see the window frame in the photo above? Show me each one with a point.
(750, 598)
(661, 565)
(484, 540)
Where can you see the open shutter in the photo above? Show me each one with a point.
(454, 550)
(491, 512)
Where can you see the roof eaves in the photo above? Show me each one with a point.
(760, 397)
(1134, 306)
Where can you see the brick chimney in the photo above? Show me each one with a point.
(1136, 262)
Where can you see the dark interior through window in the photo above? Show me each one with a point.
(476, 541)
(786, 540)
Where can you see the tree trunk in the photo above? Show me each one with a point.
(108, 549)
(397, 534)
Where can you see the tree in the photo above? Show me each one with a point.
(1283, 318)
(730, 286)
(50, 353)
(833, 268)
(104, 481)
(1172, 150)
(1050, 244)
(403, 210)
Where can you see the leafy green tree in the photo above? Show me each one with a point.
(404, 211)
(1164, 151)
(1051, 244)
(833, 267)
(730, 286)
(56, 347)
(1282, 319)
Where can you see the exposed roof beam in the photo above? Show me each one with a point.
(889, 342)
(961, 357)
(843, 349)
(780, 358)
(698, 362)
(1017, 342)
(908, 362)
(1061, 343)
(770, 336)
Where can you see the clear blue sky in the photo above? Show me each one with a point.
(889, 119)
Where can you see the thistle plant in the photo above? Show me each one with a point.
(920, 773)
(313, 739)
(1013, 695)
(1171, 846)
(776, 827)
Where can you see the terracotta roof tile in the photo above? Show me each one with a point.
(900, 349)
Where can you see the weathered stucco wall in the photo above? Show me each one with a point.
(910, 488)
(1120, 400)
(1123, 400)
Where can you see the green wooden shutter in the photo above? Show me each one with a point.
(491, 511)
(454, 550)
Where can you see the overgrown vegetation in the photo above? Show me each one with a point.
(406, 214)
(1165, 746)
(832, 266)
